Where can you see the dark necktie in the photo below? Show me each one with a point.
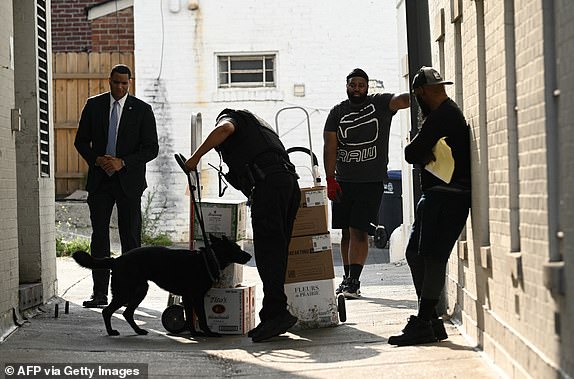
(112, 131)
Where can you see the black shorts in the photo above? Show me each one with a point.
(358, 207)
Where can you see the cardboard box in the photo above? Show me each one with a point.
(230, 310)
(314, 303)
(312, 216)
(310, 258)
(231, 277)
(222, 217)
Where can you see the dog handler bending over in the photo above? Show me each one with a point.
(260, 168)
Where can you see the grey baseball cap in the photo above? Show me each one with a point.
(428, 76)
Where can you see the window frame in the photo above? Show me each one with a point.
(264, 70)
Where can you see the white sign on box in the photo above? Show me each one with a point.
(321, 242)
(222, 217)
(315, 198)
(218, 220)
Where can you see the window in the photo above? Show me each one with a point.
(246, 71)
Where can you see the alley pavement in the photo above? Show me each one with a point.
(356, 348)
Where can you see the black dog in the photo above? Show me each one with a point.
(181, 272)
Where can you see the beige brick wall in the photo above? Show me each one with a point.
(565, 53)
(513, 320)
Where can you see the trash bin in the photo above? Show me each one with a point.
(391, 208)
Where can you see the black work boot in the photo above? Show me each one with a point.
(438, 329)
(96, 301)
(417, 331)
(273, 327)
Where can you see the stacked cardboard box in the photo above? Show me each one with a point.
(314, 303)
(224, 218)
(310, 258)
(230, 310)
(309, 283)
(312, 214)
(229, 305)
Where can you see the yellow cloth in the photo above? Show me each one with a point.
(443, 165)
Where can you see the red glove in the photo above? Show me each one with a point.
(334, 191)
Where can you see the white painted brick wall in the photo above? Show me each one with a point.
(8, 221)
(317, 44)
(32, 245)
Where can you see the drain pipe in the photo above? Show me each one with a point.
(554, 269)
(419, 53)
(552, 148)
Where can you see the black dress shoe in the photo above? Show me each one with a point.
(274, 327)
(95, 301)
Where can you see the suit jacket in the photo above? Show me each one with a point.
(136, 141)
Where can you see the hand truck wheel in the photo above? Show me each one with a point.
(173, 319)
(381, 237)
(341, 308)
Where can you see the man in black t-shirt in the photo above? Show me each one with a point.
(356, 144)
(443, 208)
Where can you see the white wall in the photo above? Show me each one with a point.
(8, 193)
(317, 43)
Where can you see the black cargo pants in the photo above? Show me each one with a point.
(274, 204)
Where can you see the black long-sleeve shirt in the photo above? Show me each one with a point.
(445, 121)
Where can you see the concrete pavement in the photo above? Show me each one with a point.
(356, 348)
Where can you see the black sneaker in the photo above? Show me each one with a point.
(352, 290)
(438, 329)
(274, 327)
(417, 331)
(342, 285)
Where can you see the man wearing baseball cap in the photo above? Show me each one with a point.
(443, 208)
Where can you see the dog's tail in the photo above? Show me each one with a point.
(86, 260)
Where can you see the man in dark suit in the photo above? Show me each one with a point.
(116, 136)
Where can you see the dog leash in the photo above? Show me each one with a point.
(208, 255)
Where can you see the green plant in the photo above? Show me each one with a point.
(65, 249)
(161, 239)
(150, 220)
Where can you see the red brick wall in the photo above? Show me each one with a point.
(114, 33)
(72, 32)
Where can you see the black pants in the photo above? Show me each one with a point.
(101, 203)
(439, 220)
(274, 204)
